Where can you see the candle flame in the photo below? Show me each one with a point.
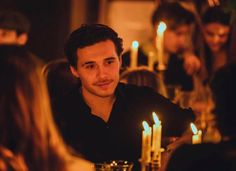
(156, 119)
(145, 126)
(161, 27)
(194, 129)
(135, 44)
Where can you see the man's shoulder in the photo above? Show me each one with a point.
(134, 90)
(68, 100)
(143, 95)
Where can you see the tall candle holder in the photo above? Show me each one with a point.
(134, 55)
(154, 164)
(151, 146)
(160, 46)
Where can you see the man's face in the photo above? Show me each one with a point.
(176, 40)
(11, 37)
(98, 68)
(216, 36)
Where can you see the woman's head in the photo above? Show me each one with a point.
(26, 124)
(19, 85)
(216, 28)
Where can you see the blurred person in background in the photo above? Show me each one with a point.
(216, 28)
(142, 76)
(14, 27)
(214, 156)
(180, 62)
(59, 79)
(27, 127)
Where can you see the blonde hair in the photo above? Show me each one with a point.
(27, 127)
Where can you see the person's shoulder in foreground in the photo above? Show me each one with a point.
(208, 156)
(221, 156)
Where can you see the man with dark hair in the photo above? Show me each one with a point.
(173, 14)
(14, 28)
(222, 155)
(178, 58)
(102, 118)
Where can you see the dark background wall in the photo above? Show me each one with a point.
(50, 24)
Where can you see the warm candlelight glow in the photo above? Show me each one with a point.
(197, 134)
(160, 45)
(161, 27)
(134, 54)
(145, 126)
(156, 138)
(135, 44)
(194, 128)
(150, 61)
(146, 143)
(156, 119)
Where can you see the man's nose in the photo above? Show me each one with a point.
(184, 42)
(216, 39)
(101, 71)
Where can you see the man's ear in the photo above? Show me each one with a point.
(74, 71)
(22, 39)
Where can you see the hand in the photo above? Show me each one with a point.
(191, 63)
(184, 139)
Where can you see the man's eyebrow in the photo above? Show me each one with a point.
(110, 58)
(87, 63)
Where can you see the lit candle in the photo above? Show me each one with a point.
(150, 61)
(156, 139)
(146, 143)
(197, 134)
(160, 45)
(134, 54)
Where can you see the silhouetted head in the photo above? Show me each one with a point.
(224, 92)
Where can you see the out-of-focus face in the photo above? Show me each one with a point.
(98, 68)
(11, 37)
(216, 35)
(177, 40)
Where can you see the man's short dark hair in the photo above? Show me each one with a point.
(87, 35)
(173, 14)
(13, 20)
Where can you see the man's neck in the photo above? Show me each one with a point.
(100, 106)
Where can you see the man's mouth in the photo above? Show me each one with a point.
(103, 84)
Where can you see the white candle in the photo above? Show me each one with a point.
(150, 61)
(146, 143)
(160, 45)
(197, 134)
(134, 55)
(156, 139)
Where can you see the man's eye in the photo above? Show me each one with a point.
(90, 66)
(223, 35)
(110, 61)
(210, 34)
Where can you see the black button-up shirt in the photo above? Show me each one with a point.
(119, 137)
